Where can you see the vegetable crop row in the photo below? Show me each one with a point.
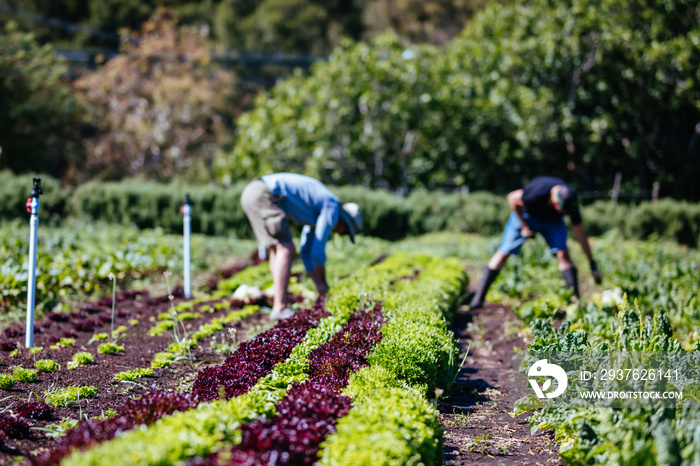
(411, 301)
(651, 305)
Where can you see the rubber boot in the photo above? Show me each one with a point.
(487, 279)
(571, 279)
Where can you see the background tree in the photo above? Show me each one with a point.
(41, 119)
(161, 109)
(302, 26)
(358, 118)
(529, 87)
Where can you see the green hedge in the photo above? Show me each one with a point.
(14, 192)
(216, 210)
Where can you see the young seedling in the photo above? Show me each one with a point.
(109, 348)
(7, 382)
(133, 375)
(64, 343)
(47, 365)
(114, 303)
(179, 342)
(79, 359)
(24, 375)
(59, 429)
(69, 395)
(34, 350)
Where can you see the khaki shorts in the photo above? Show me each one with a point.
(264, 211)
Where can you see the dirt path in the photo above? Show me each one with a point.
(478, 428)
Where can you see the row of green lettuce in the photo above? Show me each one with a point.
(216, 210)
(650, 303)
(392, 420)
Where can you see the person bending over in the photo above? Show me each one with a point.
(271, 201)
(540, 207)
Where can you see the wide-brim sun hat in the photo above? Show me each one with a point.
(350, 212)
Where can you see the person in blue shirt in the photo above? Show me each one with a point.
(540, 208)
(271, 202)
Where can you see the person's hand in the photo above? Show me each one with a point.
(597, 276)
(525, 232)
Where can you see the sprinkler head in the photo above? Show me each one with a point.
(36, 189)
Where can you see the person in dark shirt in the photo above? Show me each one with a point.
(540, 208)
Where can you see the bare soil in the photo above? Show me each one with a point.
(475, 413)
(138, 312)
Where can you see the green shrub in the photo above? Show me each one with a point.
(215, 210)
(47, 365)
(669, 219)
(14, 191)
(6, 381)
(69, 395)
(24, 375)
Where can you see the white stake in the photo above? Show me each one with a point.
(187, 221)
(33, 208)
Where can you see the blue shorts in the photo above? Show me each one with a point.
(554, 232)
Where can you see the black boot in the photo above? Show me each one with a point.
(487, 279)
(571, 279)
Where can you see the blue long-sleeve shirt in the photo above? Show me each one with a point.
(309, 202)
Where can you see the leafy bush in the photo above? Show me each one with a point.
(215, 210)
(131, 95)
(14, 191)
(39, 113)
(510, 98)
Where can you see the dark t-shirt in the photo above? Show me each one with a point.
(536, 200)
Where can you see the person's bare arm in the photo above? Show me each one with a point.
(582, 238)
(515, 200)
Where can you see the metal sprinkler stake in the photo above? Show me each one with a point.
(33, 208)
(187, 223)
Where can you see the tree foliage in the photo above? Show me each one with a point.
(161, 109)
(303, 26)
(529, 87)
(39, 116)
